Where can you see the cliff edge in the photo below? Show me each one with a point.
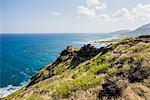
(119, 71)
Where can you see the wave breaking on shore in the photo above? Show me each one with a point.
(5, 91)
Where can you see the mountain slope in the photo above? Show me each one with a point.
(117, 71)
(143, 29)
(121, 32)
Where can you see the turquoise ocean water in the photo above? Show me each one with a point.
(22, 55)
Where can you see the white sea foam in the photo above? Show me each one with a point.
(79, 42)
(91, 42)
(96, 43)
(114, 37)
(5, 91)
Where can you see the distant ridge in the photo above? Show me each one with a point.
(144, 29)
(122, 31)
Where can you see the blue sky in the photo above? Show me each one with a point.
(72, 16)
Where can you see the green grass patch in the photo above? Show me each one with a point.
(98, 69)
(34, 96)
(121, 41)
(82, 83)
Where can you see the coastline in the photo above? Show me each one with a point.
(53, 78)
(5, 91)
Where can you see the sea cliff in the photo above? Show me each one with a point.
(119, 71)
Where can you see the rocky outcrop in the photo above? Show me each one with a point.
(111, 89)
(144, 38)
(66, 54)
(85, 53)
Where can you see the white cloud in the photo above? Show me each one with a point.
(55, 13)
(122, 13)
(92, 2)
(96, 4)
(92, 8)
(95, 9)
(141, 11)
(101, 6)
(86, 11)
(103, 16)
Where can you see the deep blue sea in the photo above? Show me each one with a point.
(22, 55)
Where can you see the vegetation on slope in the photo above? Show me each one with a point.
(117, 71)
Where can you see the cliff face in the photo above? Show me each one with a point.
(117, 71)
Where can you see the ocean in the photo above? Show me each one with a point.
(22, 55)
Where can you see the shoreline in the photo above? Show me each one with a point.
(9, 89)
(53, 76)
(5, 91)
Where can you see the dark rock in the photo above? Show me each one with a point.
(110, 90)
(38, 77)
(122, 75)
(66, 54)
(137, 74)
(144, 36)
(85, 53)
(68, 51)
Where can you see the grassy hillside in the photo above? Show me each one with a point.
(117, 71)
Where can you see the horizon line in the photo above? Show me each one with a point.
(54, 33)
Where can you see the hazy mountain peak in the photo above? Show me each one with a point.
(144, 29)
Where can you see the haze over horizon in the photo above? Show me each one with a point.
(73, 16)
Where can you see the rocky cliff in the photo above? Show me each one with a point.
(119, 71)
